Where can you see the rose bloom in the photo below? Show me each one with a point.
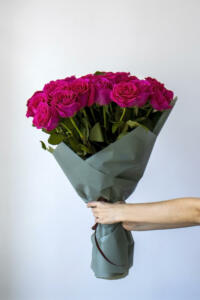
(45, 117)
(65, 102)
(160, 97)
(117, 76)
(91, 85)
(103, 88)
(34, 101)
(131, 93)
(88, 76)
(53, 85)
(82, 88)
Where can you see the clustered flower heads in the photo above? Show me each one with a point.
(105, 96)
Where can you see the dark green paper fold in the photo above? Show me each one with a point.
(112, 173)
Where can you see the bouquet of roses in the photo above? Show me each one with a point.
(105, 126)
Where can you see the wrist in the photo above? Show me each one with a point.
(126, 213)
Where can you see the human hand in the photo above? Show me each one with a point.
(107, 213)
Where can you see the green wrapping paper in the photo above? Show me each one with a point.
(112, 173)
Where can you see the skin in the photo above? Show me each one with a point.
(173, 213)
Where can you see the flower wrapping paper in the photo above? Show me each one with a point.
(112, 173)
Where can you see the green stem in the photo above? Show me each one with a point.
(86, 116)
(136, 109)
(148, 112)
(123, 113)
(110, 105)
(104, 116)
(125, 128)
(140, 119)
(84, 112)
(65, 126)
(76, 127)
(92, 113)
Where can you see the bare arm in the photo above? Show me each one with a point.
(174, 213)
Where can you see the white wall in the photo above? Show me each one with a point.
(45, 228)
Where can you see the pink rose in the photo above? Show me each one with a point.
(91, 98)
(103, 88)
(45, 117)
(65, 102)
(81, 87)
(53, 85)
(160, 96)
(70, 79)
(130, 93)
(50, 87)
(34, 101)
(89, 78)
(117, 76)
(144, 88)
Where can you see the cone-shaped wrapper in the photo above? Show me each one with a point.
(112, 173)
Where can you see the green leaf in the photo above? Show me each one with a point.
(96, 134)
(74, 144)
(49, 132)
(121, 135)
(132, 124)
(50, 149)
(43, 145)
(124, 131)
(99, 73)
(115, 126)
(55, 139)
(44, 130)
(85, 149)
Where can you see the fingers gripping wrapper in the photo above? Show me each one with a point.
(94, 227)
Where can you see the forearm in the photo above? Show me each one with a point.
(178, 212)
(148, 226)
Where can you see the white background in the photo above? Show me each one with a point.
(45, 228)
